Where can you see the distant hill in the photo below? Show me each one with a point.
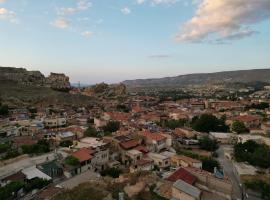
(240, 76)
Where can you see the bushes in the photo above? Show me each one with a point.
(36, 183)
(209, 164)
(3, 110)
(172, 124)
(91, 132)
(42, 146)
(112, 172)
(253, 153)
(207, 123)
(66, 143)
(239, 127)
(208, 144)
(111, 127)
(9, 191)
(71, 160)
(259, 186)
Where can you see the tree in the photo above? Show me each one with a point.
(209, 164)
(253, 153)
(3, 110)
(91, 132)
(111, 127)
(259, 186)
(71, 160)
(42, 146)
(66, 143)
(208, 122)
(208, 144)
(172, 124)
(9, 191)
(112, 172)
(239, 127)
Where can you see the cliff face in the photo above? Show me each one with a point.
(104, 89)
(34, 78)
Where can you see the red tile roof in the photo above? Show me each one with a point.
(153, 136)
(83, 154)
(142, 149)
(129, 144)
(246, 118)
(182, 174)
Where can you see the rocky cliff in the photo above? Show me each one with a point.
(34, 78)
(104, 89)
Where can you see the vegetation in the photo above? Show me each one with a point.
(209, 164)
(172, 124)
(253, 153)
(10, 190)
(36, 183)
(11, 153)
(111, 127)
(3, 110)
(66, 143)
(72, 161)
(4, 147)
(261, 187)
(91, 132)
(239, 127)
(259, 106)
(42, 146)
(112, 172)
(207, 123)
(122, 108)
(208, 144)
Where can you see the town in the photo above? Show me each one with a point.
(131, 145)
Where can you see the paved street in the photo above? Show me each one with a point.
(228, 169)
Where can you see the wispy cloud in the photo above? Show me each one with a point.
(8, 15)
(61, 23)
(217, 20)
(157, 2)
(157, 56)
(126, 10)
(87, 34)
(81, 5)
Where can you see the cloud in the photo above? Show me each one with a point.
(159, 56)
(217, 20)
(8, 15)
(81, 5)
(87, 34)
(61, 23)
(125, 10)
(157, 2)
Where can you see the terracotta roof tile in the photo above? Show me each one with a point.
(182, 174)
(83, 154)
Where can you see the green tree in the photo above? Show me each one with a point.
(9, 191)
(172, 124)
(209, 164)
(111, 127)
(261, 187)
(3, 110)
(91, 132)
(66, 143)
(71, 160)
(239, 127)
(208, 122)
(112, 172)
(208, 144)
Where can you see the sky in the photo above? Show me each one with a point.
(95, 41)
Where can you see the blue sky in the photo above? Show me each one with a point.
(114, 40)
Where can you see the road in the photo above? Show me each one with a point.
(228, 169)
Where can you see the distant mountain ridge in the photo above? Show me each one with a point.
(241, 76)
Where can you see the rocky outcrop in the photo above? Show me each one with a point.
(105, 90)
(34, 78)
(58, 81)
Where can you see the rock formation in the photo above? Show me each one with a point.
(34, 78)
(104, 89)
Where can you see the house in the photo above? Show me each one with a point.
(182, 174)
(33, 172)
(156, 142)
(132, 156)
(142, 165)
(55, 122)
(184, 161)
(64, 136)
(250, 121)
(245, 137)
(182, 190)
(266, 128)
(84, 156)
(160, 161)
(223, 138)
